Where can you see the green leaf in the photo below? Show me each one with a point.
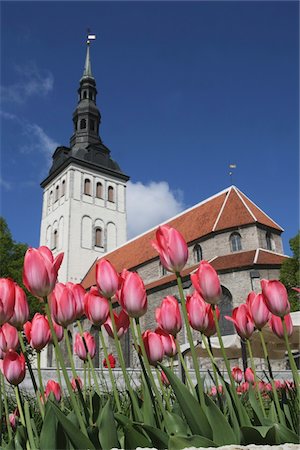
(158, 438)
(190, 407)
(147, 407)
(258, 435)
(181, 442)
(283, 435)
(223, 434)
(96, 403)
(108, 435)
(49, 429)
(256, 406)
(175, 424)
(20, 438)
(134, 438)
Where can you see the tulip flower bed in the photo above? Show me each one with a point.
(164, 412)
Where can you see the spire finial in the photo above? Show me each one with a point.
(88, 67)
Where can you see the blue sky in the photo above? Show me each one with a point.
(184, 89)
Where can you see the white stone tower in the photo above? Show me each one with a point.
(84, 202)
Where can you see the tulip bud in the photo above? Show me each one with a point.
(249, 375)
(107, 278)
(14, 367)
(81, 346)
(122, 324)
(13, 419)
(54, 387)
(168, 315)
(59, 331)
(153, 346)
(276, 297)
(206, 281)
(168, 342)
(172, 248)
(242, 320)
(276, 326)
(9, 339)
(37, 332)
(112, 361)
(78, 293)
(164, 379)
(197, 312)
(237, 374)
(7, 299)
(132, 295)
(211, 327)
(40, 270)
(74, 383)
(96, 307)
(21, 309)
(63, 305)
(258, 309)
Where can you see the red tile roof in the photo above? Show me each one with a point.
(227, 209)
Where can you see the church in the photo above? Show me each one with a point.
(84, 216)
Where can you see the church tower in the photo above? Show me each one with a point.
(84, 201)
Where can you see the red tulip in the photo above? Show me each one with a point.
(211, 327)
(153, 346)
(245, 386)
(96, 307)
(197, 310)
(14, 367)
(54, 387)
(63, 305)
(78, 293)
(164, 379)
(122, 324)
(207, 283)
(237, 374)
(40, 270)
(132, 295)
(13, 419)
(172, 248)
(59, 331)
(21, 309)
(7, 299)
(112, 361)
(242, 320)
(9, 339)
(275, 324)
(249, 375)
(276, 297)
(80, 348)
(74, 382)
(258, 309)
(37, 332)
(168, 315)
(168, 342)
(107, 278)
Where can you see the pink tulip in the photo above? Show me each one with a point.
(164, 379)
(21, 309)
(13, 419)
(276, 326)
(78, 293)
(276, 297)
(172, 248)
(80, 347)
(37, 332)
(249, 375)
(59, 331)
(213, 391)
(14, 367)
(9, 338)
(54, 387)
(168, 315)
(245, 386)
(153, 346)
(122, 324)
(207, 283)
(96, 307)
(107, 278)
(132, 294)
(211, 327)
(7, 299)
(237, 374)
(242, 320)
(40, 270)
(168, 342)
(258, 309)
(74, 382)
(197, 310)
(63, 305)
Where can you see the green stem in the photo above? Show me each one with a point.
(191, 341)
(40, 376)
(19, 404)
(211, 358)
(64, 370)
(70, 353)
(90, 397)
(111, 376)
(291, 358)
(255, 378)
(186, 371)
(84, 379)
(28, 426)
(5, 405)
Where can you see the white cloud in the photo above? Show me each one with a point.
(150, 204)
(38, 141)
(33, 81)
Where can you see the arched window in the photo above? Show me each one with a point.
(63, 187)
(98, 237)
(235, 242)
(99, 190)
(55, 239)
(162, 270)
(56, 192)
(82, 124)
(269, 241)
(50, 198)
(110, 194)
(197, 252)
(225, 306)
(87, 187)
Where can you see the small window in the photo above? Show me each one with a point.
(235, 242)
(197, 252)
(82, 124)
(99, 190)
(56, 193)
(92, 125)
(98, 237)
(50, 198)
(110, 193)
(269, 241)
(84, 94)
(55, 239)
(87, 187)
(63, 188)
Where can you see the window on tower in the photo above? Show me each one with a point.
(63, 188)
(98, 237)
(84, 94)
(56, 193)
(92, 125)
(235, 242)
(270, 241)
(99, 190)
(82, 124)
(110, 194)
(55, 239)
(197, 252)
(87, 187)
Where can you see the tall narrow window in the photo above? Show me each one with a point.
(63, 188)
(98, 237)
(92, 125)
(84, 94)
(269, 241)
(99, 190)
(87, 187)
(235, 242)
(55, 239)
(110, 194)
(50, 198)
(82, 124)
(56, 192)
(197, 252)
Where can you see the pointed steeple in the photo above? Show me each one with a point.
(87, 67)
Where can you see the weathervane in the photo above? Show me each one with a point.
(90, 36)
(231, 167)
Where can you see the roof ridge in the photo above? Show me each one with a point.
(272, 251)
(256, 256)
(244, 203)
(222, 208)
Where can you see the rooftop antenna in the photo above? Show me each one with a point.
(231, 168)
